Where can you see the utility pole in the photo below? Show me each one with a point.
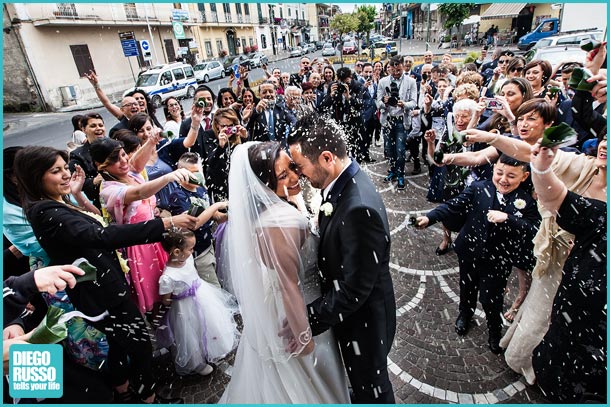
(428, 28)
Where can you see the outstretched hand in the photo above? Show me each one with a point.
(56, 278)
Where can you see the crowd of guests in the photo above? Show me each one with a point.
(126, 200)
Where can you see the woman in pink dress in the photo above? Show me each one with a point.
(127, 199)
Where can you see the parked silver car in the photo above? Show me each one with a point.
(296, 51)
(257, 59)
(311, 47)
(328, 50)
(208, 70)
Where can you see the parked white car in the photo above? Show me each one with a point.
(208, 70)
(296, 51)
(328, 50)
(257, 59)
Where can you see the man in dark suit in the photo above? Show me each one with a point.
(296, 79)
(369, 111)
(270, 119)
(500, 222)
(357, 300)
(200, 122)
(428, 56)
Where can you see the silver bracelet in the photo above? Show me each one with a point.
(538, 172)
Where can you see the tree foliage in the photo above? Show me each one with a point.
(455, 13)
(366, 17)
(344, 23)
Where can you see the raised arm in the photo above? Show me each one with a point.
(114, 110)
(550, 190)
(146, 190)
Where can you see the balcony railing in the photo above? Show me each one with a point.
(240, 18)
(228, 18)
(213, 17)
(130, 12)
(66, 10)
(263, 20)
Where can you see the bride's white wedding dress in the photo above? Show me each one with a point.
(271, 256)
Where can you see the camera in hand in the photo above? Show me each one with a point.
(424, 77)
(201, 103)
(232, 132)
(394, 96)
(493, 104)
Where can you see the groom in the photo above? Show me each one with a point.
(357, 294)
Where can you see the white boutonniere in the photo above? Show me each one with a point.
(519, 203)
(327, 208)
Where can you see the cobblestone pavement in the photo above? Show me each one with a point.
(429, 362)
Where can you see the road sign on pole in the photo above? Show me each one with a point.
(146, 54)
(128, 43)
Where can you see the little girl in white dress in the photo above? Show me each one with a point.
(199, 325)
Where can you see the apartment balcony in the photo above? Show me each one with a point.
(97, 14)
(263, 20)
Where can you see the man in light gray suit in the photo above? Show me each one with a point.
(396, 97)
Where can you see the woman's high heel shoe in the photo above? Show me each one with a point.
(440, 252)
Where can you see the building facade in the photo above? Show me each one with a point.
(75, 38)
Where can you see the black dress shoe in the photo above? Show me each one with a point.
(461, 324)
(440, 252)
(494, 344)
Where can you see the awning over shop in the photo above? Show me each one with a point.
(503, 10)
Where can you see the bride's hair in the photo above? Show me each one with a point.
(315, 134)
(262, 158)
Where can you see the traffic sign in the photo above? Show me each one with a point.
(130, 48)
(128, 43)
(388, 48)
(145, 45)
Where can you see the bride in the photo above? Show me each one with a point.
(270, 257)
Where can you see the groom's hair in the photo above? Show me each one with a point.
(315, 134)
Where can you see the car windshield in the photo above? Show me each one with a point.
(555, 57)
(147, 80)
(200, 67)
(349, 44)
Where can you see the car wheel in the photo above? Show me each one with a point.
(222, 74)
(205, 78)
(156, 101)
(190, 92)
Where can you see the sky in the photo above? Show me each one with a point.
(349, 7)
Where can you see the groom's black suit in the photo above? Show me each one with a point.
(357, 294)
